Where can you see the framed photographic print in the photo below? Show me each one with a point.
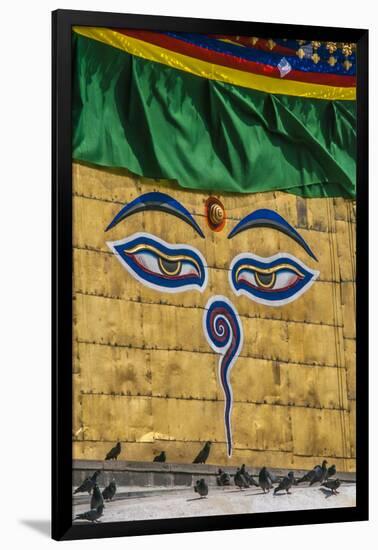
(210, 271)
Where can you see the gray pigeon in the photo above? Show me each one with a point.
(96, 499)
(250, 480)
(85, 487)
(332, 484)
(320, 473)
(307, 477)
(161, 457)
(203, 455)
(201, 488)
(315, 472)
(114, 452)
(88, 484)
(240, 480)
(109, 491)
(265, 480)
(285, 484)
(330, 472)
(92, 515)
(223, 478)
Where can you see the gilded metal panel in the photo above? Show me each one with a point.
(143, 370)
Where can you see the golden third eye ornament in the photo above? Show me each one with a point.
(215, 214)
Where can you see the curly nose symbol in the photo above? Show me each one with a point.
(224, 334)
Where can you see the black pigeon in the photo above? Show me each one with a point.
(250, 480)
(88, 484)
(332, 484)
(240, 480)
(92, 515)
(96, 499)
(109, 491)
(265, 481)
(161, 457)
(330, 472)
(320, 473)
(286, 483)
(223, 478)
(201, 488)
(114, 452)
(203, 455)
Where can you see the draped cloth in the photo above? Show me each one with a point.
(227, 127)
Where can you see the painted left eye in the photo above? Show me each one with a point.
(160, 265)
(273, 281)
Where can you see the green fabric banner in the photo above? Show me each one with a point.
(160, 122)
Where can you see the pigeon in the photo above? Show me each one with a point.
(285, 484)
(95, 476)
(201, 488)
(109, 491)
(161, 457)
(244, 473)
(223, 478)
(250, 480)
(265, 480)
(88, 484)
(320, 473)
(332, 484)
(313, 473)
(307, 477)
(330, 472)
(96, 499)
(92, 515)
(203, 455)
(240, 480)
(114, 452)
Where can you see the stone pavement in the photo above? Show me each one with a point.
(161, 503)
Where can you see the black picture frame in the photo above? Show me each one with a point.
(62, 528)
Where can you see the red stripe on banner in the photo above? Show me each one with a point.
(234, 62)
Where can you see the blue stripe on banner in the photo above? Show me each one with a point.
(322, 51)
(267, 58)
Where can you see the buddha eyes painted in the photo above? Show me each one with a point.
(273, 281)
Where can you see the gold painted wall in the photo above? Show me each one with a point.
(144, 373)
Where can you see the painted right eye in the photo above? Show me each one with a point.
(273, 281)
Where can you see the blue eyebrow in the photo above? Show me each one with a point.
(156, 201)
(269, 218)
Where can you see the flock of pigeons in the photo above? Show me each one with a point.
(242, 479)
(266, 480)
(98, 498)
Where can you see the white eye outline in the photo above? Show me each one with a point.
(268, 260)
(172, 247)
